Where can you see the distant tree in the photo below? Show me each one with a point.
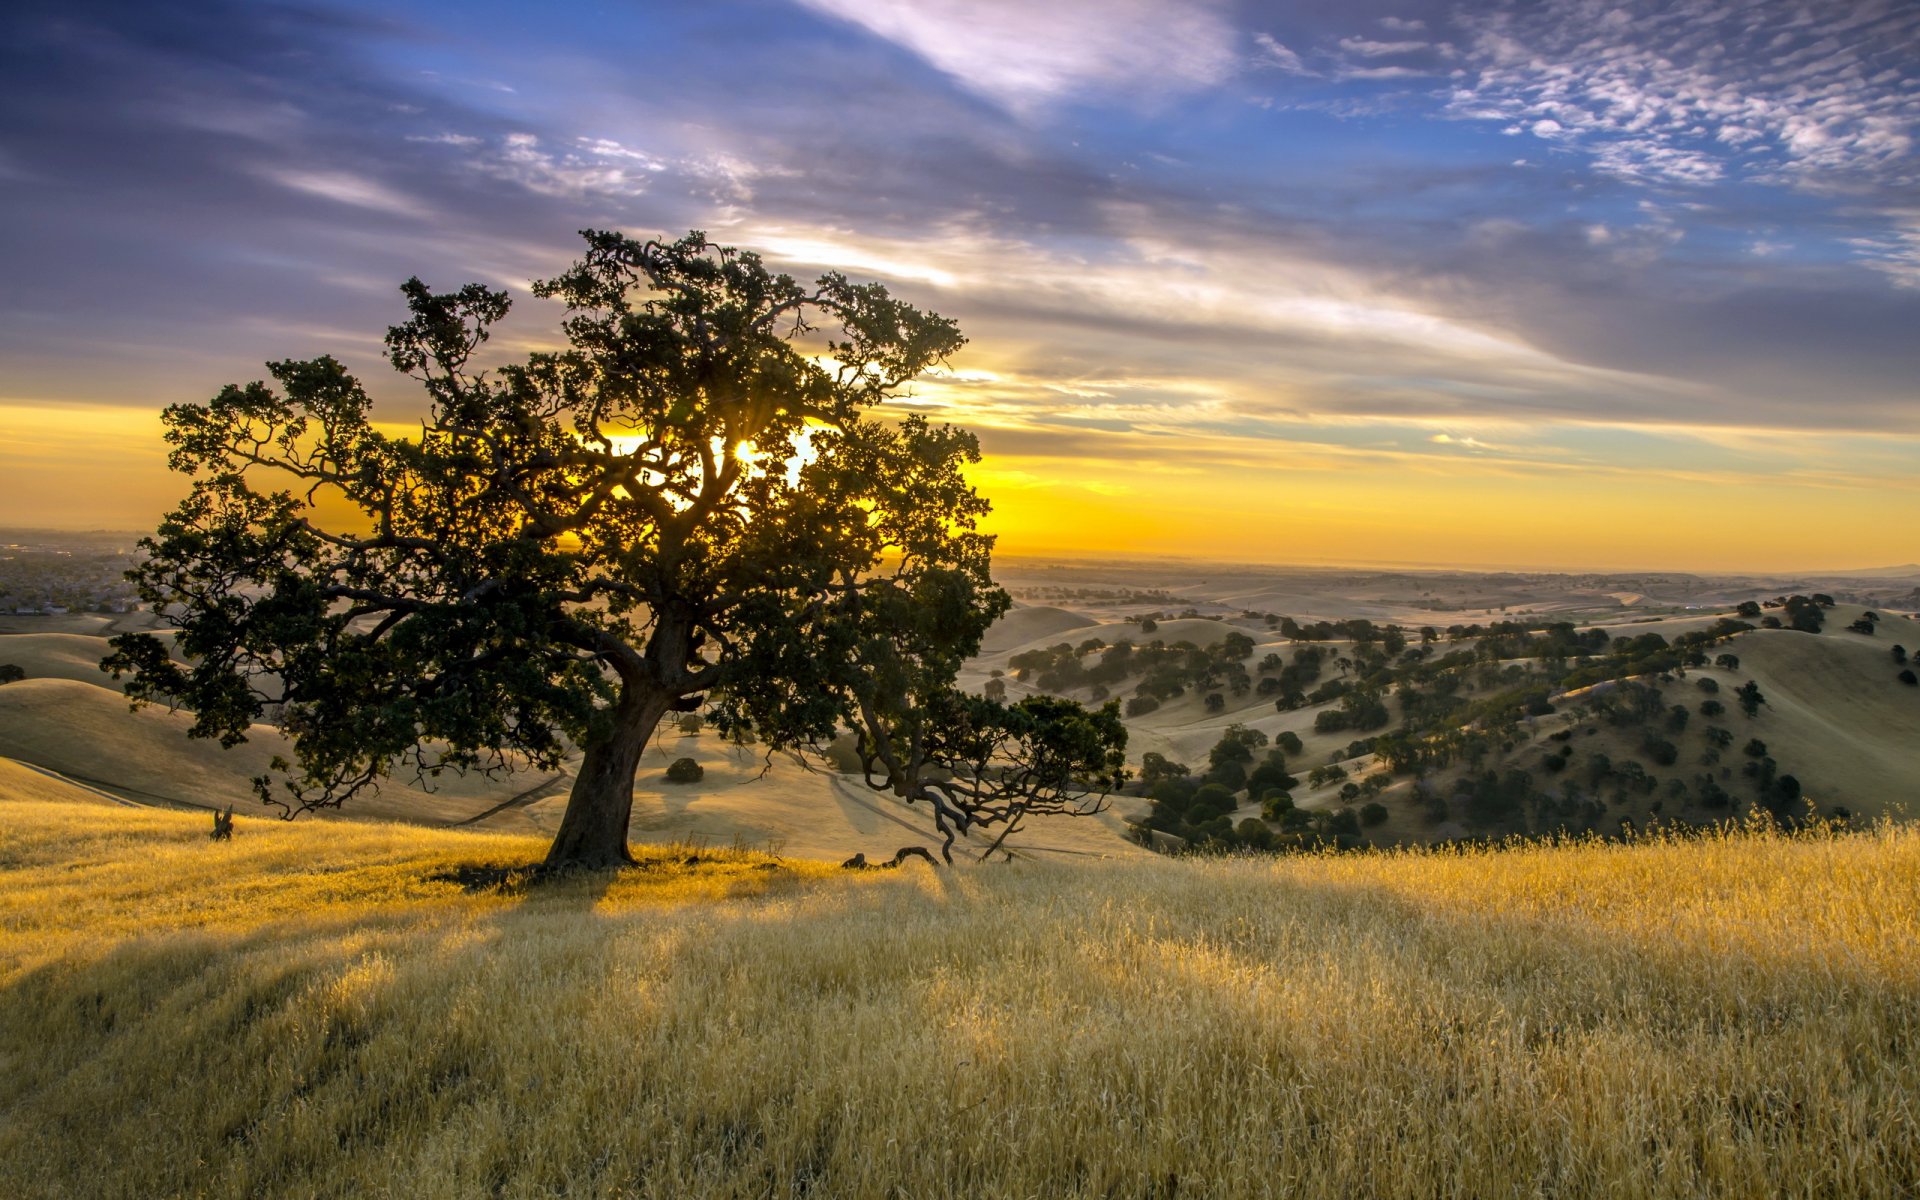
(1155, 767)
(1148, 624)
(1140, 706)
(1288, 742)
(1253, 834)
(1755, 748)
(11, 673)
(1750, 698)
(1270, 774)
(995, 689)
(1707, 684)
(1909, 678)
(1711, 708)
(1230, 774)
(1899, 653)
(1748, 608)
(1322, 776)
(1373, 814)
(1862, 625)
(1727, 662)
(1216, 702)
(1275, 805)
(1211, 800)
(1806, 614)
(1343, 822)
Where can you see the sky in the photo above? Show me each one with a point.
(1559, 284)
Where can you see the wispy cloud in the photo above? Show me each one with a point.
(1693, 93)
(346, 187)
(1025, 55)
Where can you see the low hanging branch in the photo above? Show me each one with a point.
(979, 763)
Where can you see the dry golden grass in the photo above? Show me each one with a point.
(307, 1011)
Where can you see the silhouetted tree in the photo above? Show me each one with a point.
(574, 545)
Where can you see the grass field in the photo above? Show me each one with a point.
(346, 1009)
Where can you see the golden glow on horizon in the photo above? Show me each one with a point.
(104, 467)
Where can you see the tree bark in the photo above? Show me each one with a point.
(593, 832)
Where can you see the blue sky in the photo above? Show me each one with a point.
(1666, 243)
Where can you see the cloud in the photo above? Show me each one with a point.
(345, 187)
(1367, 48)
(1673, 92)
(584, 166)
(1026, 56)
(1272, 53)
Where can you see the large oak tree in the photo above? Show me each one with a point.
(692, 500)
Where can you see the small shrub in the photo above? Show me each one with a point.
(685, 770)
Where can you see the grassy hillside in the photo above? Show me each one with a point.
(350, 1009)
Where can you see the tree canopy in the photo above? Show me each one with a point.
(682, 506)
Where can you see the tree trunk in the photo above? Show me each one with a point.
(593, 833)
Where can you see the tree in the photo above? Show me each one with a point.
(1155, 767)
(1750, 698)
(573, 546)
(11, 673)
